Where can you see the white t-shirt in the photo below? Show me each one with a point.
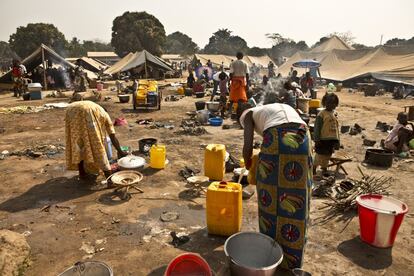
(270, 115)
(239, 68)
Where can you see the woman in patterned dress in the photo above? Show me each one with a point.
(283, 175)
(87, 127)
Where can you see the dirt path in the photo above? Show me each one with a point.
(134, 240)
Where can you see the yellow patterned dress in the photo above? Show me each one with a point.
(87, 126)
(283, 181)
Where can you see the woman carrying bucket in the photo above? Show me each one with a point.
(283, 175)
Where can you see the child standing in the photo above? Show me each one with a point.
(224, 79)
(326, 132)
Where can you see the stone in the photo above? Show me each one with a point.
(14, 253)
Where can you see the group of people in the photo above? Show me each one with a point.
(283, 170)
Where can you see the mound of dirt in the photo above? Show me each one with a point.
(14, 253)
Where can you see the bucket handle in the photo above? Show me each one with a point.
(79, 267)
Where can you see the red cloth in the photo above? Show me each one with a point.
(16, 72)
(238, 90)
(120, 122)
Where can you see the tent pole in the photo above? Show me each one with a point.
(146, 71)
(44, 69)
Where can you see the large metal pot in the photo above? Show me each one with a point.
(123, 98)
(252, 254)
(200, 105)
(213, 106)
(379, 157)
(202, 116)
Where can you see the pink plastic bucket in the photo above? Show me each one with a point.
(380, 218)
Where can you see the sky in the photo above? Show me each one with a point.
(306, 20)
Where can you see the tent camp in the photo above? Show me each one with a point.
(42, 55)
(45, 56)
(333, 43)
(109, 58)
(393, 64)
(217, 60)
(91, 64)
(139, 62)
(171, 58)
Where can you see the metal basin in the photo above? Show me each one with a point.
(379, 157)
(213, 106)
(91, 268)
(252, 254)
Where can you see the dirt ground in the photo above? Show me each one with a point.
(130, 237)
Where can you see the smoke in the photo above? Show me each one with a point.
(271, 93)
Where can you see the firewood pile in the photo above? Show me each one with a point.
(343, 196)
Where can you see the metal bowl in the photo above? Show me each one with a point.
(91, 268)
(123, 98)
(253, 253)
(213, 106)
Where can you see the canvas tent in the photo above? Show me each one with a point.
(45, 56)
(171, 58)
(217, 60)
(393, 64)
(109, 58)
(91, 64)
(42, 55)
(138, 61)
(333, 43)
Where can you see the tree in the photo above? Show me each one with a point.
(359, 46)
(27, 39)
(5, 52)
(179, 43)
(257, 51)
(223, 42)
(75, 48)
(346, 37)
(400, 42)
(136, 31)
(97, 46)
(277, 38)
(302, 46)
(321, 40)
(284, 47)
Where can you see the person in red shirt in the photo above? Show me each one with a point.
(17, 78)
(307, 83)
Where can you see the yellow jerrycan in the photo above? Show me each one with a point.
(157, 156)
(214, 161)
(224, 208)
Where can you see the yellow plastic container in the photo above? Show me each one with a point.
(214, 161)
(158, 156)
(314, 103)
(224, 208)
(180, 90)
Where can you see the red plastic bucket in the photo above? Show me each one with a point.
(380, 218)
(188, 264)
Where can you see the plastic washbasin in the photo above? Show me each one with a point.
(217, 121)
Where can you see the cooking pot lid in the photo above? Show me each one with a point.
(131, 162)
